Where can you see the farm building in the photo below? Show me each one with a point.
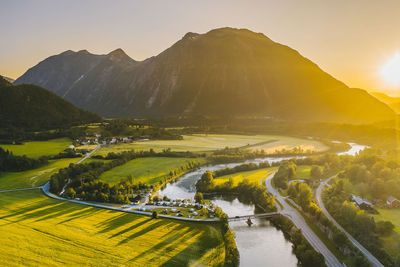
(393, 202)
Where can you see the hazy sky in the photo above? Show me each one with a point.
(350, 39)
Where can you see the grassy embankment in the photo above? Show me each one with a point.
(37, 230)
(37, 149)
(200, 143)
(146, 170)
(35, 177)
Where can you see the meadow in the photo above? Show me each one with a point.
(390, 243)
(35, 177)
(37, 230)
(254, 176)
(36, 149)
(303, 172)
(146, 170)
(210, 142)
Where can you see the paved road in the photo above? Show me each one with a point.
(46, 191)
(300, 223)
(88, 155)
(374, 261)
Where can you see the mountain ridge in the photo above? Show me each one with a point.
(223, 72)
(34, 108)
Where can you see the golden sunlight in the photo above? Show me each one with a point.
(390, 71)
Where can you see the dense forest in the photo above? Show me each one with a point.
(32, 108)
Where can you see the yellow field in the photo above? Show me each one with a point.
(36, 230)
(253, 176)
(210, 142)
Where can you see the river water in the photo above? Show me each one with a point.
(259, 245)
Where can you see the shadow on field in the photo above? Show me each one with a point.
(170, 242)
(116, 222)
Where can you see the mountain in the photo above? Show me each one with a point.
(393, 102)
(223, 72)
(34, 108)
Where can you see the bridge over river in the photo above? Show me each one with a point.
(253, 216)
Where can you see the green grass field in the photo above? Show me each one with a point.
(35, 177)
(303, 172)
(197, 143)
(39, 231)
(146, 170)
(392, 242)
(253, 176)
(37, 149)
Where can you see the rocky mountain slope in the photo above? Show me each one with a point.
(223, 72)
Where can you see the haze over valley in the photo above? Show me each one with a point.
(238, 134)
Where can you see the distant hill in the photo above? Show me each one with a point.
(226, 71)
(10, 80)
(34, 108)
(393, 102)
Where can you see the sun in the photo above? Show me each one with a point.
(390, 71)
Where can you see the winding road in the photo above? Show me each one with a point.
(300, 223)
(373, 261)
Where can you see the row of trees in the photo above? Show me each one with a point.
(11, 162)
(232, 257)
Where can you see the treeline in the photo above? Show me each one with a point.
(232, 257)
(11, 162)
(246, 191)
(151, 153)
(136, 129)
(361, 225)
(375, 175)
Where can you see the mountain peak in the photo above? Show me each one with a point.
(83, 51)
(117, 53)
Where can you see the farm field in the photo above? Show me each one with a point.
(146, 170)
(253, 176)
(199, 143)
(35, 177)
(37, 149)
(37, 230)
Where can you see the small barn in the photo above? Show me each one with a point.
(393, 202)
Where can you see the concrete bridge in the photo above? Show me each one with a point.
(252, 216)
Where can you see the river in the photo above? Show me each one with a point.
(259, 245)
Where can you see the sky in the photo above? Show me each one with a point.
(350, 39)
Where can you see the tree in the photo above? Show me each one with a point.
(316, 173)
(206, 182)
(199, 198)
(384, 228)
(154, 215)
(339, 238)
